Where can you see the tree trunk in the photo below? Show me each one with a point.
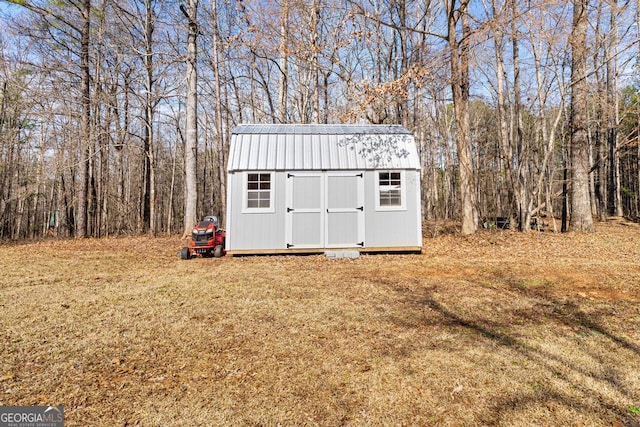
(85, 125)
(565, 189)
(315, 61)
(637, 165)
(171, 188)
(460, 89)
(222, 175)
(15, 234)
(6, 172)
(614, 207)
(402, 105)
(191, 139)
(581, 217)
(284, 59)
(522, 151)
(149, 212)
(600, 113)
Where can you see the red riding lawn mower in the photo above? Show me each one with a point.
(207, 239)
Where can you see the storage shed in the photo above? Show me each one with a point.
(308, 188)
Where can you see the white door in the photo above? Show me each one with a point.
(344, 200)
(305, 213)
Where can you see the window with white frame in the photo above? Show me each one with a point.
(390, 190)
(258, 191)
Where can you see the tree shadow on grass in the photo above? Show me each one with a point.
(570, 314)
(565, 369)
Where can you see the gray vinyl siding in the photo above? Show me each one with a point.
(393, 228)
(255, 230)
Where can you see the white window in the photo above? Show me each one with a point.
(258, 192)
(391, 191)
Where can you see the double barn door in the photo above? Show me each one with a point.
(325, 210)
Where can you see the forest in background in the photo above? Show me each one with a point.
(514, 104)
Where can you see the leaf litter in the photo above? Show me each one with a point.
(499, 328)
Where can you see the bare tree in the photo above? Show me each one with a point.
(581, 218)
(315, 58)
(191, 133)
(149, 208)
(220, 135)
(284, 62)
(85, 127)
(457, 11)
(614, 206)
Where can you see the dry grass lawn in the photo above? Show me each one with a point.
(497, 329)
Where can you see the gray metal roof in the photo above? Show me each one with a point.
(322, 147)
(310, 129)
